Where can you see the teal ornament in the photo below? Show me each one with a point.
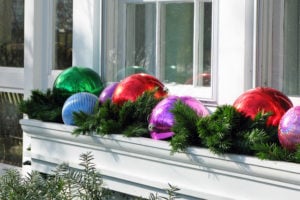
(79, 102)
(78, 79)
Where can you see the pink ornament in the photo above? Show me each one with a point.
(162, 119)
(108, 92)
(289, 129)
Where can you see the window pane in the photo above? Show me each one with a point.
(177, 35)
(63, 34)
(177, 42)
(204, 77)
(12, 33)
(291, 69)
(140, 40)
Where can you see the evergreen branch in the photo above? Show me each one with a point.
(45, 106)
(184, 128)
(137, 130)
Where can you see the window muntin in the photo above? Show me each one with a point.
(63, 20)
(12, 33)
(170, 40)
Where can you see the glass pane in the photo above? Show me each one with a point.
(177, 35)
(204, 77)
(177, 26)
(63, 34)
(12, 33)
(291, 69)
(140, 40)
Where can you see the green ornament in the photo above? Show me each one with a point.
(78, 79)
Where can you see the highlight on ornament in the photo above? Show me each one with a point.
(79, 102)
(263, 99)
(289, 129)
(78, 79)
(133, 86)
(161, 119)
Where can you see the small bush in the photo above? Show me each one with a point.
(65, 184)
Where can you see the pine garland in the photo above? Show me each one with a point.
(130, 119)
(224, 131)
(45, 106)
(185, 127)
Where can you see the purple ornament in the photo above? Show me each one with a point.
(108, 92)
(162, 119)
(289, 129)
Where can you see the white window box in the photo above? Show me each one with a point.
(139, 166)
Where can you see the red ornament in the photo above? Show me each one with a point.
(133, 86)
(263, 99)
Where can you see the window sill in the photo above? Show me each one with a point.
(140, 166)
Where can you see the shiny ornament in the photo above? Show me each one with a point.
(263, 99)
(82, 101)
(107, 92)
(130, 88)
(78, 79)
(289, 129)
(162, 119)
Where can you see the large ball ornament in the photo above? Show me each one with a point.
(108, 91)
(263, 99)
(133, 86)
(289, 129)
(82, 101)
(162, 119)
(78, 79)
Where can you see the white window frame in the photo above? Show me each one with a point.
(207, 93)
(234, 52)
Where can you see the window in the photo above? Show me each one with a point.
(11, 33)
(171, 40)
(279, 46)
(63, 34)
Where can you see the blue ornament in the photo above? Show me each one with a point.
(82, 101)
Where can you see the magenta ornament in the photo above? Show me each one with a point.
(108, 92)
(162, 119)
(289, 129)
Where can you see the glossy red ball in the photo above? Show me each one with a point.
(263, 99)
(133, 86)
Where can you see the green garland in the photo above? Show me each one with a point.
(45, 106)
(229, 131)
(224, 131)
(130, 119)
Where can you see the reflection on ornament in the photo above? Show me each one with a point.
(107, 92)
(263, 99)
(289, 129)
(135, 85)
(78, 79)
(82, 101)
(162, 119)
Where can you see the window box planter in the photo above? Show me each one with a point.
(139, 166)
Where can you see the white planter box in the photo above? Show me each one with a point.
(139, 166)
